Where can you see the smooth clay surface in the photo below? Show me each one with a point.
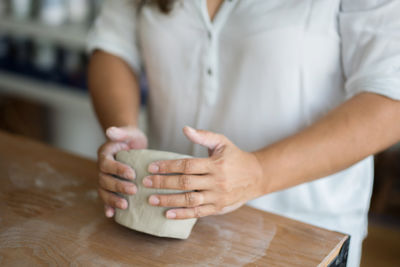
(140, 215)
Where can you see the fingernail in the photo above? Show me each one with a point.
(153, 168)
(131, 190)
(123, 204)
(171, 214)
(190, 129)
(154, 200)
(109, 213)
(147, 182)
(132, 174)
(111, 131)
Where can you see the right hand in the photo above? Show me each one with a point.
(119, 138)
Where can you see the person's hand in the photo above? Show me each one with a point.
(119, 138)
(221, 183)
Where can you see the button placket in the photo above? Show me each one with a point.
(210, 84)
(211, 67)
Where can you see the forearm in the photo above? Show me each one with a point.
(114, 90)
(362, 126)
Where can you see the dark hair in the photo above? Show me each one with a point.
(165, 6)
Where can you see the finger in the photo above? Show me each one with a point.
(186, 166)
(132, 136)
(205, 138)
(113, 184)
(113, 167)
(181, 182)
(109, 211)
(188, 213)
(187, 199)
(123, 133)
(112, 199)
(107, 163)
(118, 133)
(111, 148)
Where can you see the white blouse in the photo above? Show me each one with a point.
(259, 72)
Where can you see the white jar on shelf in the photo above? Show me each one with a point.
(78, 11)
(20, 9)
(53, 12)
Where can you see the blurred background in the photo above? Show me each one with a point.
(44, 96)
(43, 89)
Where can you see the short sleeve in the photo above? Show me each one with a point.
(370, 33)
(114, 31)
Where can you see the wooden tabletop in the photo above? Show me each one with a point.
(50, 214)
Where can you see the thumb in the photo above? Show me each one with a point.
(123, 134)
(205, 138)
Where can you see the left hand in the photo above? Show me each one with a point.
(221, 183)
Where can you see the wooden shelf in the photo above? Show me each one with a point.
(45, 92)
(69, 35)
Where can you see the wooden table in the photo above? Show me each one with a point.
(50, 214)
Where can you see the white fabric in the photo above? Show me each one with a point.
(262, 70)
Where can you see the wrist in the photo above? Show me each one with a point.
(262, 183)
